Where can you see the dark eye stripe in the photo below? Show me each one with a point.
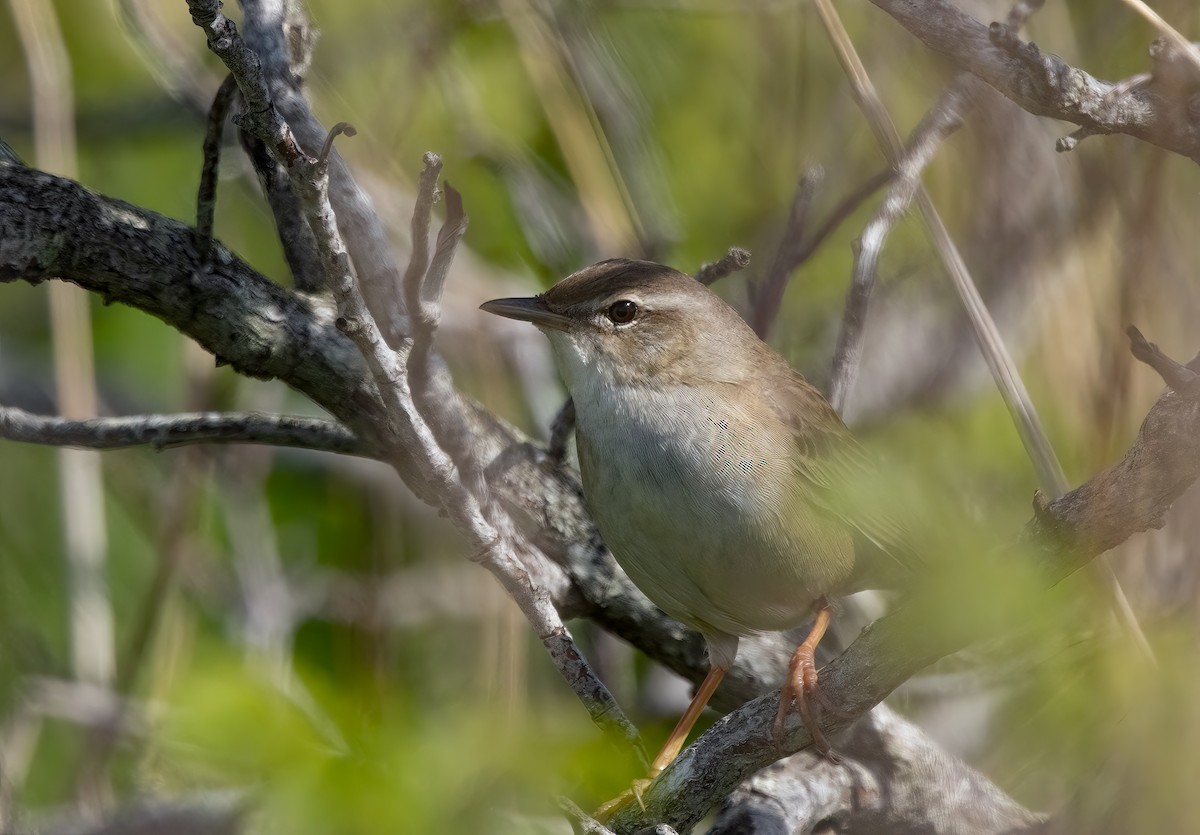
(622, 312)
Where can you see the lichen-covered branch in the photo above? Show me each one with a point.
(898, 781)
(165, 431)
(51, 227)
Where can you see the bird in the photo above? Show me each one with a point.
(719, 477)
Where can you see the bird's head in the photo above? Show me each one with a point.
(624, 322)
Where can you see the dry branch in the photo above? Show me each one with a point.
(1046, 85)
(166, 431)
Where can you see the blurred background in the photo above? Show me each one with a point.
(299, 626)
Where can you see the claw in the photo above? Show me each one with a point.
(634, 792)
(803, 689)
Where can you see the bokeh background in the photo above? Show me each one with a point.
(296, 626)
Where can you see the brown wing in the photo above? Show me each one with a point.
(844, 481)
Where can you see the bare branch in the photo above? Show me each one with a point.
(1180, 378)
(769, 295)
(279, 35)
(167, 431)
(299, 247)
(260, 116)
(587, 824)
(898, 781)
(731, 262)
(1044, 84)
(799, 241)
(418, 259)
(945, 117)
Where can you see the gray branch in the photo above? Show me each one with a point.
(898, 782)
(166, 431)
(1045, 85)
(945, 117)
(731, 262)
(277, 32)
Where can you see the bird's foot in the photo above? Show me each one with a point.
(634, 792)
(803, 689)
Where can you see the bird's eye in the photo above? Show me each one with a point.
(622, 312)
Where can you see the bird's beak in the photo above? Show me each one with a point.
(527, 310)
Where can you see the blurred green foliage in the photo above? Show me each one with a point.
(711, 112)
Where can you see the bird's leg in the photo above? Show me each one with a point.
(671, 748)
(801, 685)
(674, 743)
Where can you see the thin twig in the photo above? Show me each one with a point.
(206, 194)
(340, 129)
(1180, 378)
(418, 259)
(261, 116)
(734, 260)
(299, 248)
(167, 431)
(424, 294)
(426, 307)
(942, 120)
(769, 296)
(798, 243)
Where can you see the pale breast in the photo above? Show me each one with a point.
(702, 509)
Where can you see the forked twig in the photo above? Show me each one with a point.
(1178, 377)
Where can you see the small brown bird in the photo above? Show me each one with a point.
(716, 474)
